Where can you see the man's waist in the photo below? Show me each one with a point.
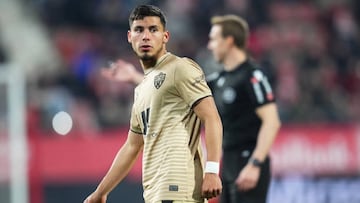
(239, 143)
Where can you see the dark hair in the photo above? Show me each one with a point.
(233, 26)
(142, 11)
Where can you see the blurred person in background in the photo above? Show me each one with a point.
(170, 104)
(248, 110)
(247, 107)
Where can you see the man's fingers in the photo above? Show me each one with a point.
(211, 193)
(246, 185)
(107, 72)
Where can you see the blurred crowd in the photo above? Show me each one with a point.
(311, 50)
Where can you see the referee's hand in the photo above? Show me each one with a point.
(211, 186)
(248, 178)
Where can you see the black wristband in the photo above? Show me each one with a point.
(255, 162)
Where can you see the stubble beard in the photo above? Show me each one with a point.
(148, 59)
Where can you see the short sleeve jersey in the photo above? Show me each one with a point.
(237, 94)
(162, 112)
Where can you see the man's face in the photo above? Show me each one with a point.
(148, 38)
(217, 43)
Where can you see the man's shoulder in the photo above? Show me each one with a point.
(174, 60)
(252, 68)
(187, 61)
(183, 63)
(250, 65)
(213, 76)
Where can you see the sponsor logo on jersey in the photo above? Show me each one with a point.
(173, 188)
(199, 79)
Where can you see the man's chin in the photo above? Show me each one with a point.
(146, 57)
(219, 60)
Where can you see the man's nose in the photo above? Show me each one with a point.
(146, 34)
(208, 46)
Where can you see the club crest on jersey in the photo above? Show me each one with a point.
(159, 80)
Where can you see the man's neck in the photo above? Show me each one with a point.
(146, 64)
(234, 58)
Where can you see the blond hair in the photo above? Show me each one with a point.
(233, 26)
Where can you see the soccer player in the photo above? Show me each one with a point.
(170, 104)
(249, 114)
(246, 105)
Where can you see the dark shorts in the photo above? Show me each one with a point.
(233, 162)
(177, 201)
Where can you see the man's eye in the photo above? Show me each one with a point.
(153, 29)
(138, 30)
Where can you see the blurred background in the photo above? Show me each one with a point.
(51, 52)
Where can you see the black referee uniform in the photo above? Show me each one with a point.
(237, 94)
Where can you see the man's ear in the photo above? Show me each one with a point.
(166, 36)
(129, 36)
(229, 40)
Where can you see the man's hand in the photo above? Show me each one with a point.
(122, 71)
(95, 198)
(211, 186)
(248, 177)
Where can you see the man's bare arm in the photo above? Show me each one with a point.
(123, 162)
(206, 110)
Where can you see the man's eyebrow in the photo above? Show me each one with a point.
(150, 27)
(138, 26)
(154, 26)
